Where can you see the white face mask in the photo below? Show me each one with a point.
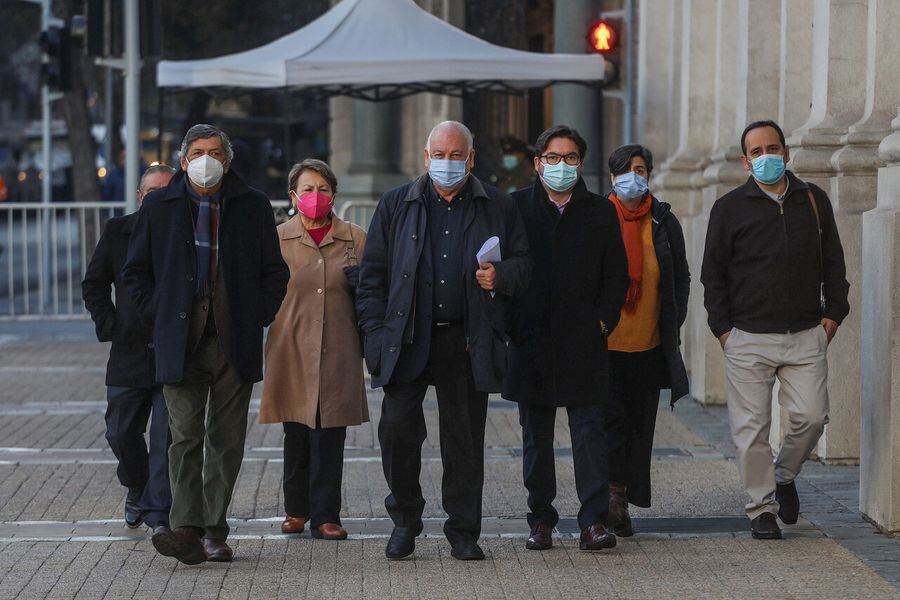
(205, 171)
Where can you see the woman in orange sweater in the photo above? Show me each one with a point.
(644, 349)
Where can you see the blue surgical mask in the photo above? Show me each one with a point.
(629, 186)
(560, 177)
(510, 161)
(768, 168)
(447, 174)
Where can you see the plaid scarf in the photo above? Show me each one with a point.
(206, 240)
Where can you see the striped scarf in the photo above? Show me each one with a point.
(206, 240)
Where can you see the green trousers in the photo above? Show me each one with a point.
(208, 421)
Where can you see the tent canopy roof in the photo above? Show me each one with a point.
(381, 46)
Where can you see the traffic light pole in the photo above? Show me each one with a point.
(132, 103)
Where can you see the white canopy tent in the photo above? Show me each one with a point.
(380, 49)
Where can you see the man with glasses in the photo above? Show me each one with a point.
(559, 327)
(132, 394)
(432, 315)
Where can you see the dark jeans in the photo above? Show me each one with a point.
(313, 470)
(462, 413)
(631, 419)
(127, 412)
(539, 462)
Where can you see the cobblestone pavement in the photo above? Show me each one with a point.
(61, 535)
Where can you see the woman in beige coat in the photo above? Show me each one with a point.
(314, 371)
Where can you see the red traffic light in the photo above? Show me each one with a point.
(603, 37)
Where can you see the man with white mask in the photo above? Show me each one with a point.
(776, 291)
(432, 315)
(205, 269)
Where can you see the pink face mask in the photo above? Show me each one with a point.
(313, 205)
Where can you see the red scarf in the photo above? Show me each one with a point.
(630, 222)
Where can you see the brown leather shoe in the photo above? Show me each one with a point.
(541, 537)
(218, 550)
(619, 521)
(596, 537)
(293, 525)
(182, 543)
(328, 531)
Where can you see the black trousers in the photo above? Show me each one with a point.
(462, 413)
(634, 384)
(144, 473)
(539, 462)
(313, 472)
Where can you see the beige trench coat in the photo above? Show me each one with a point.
(313, 355)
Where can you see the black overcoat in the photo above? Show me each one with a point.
(131, 356)
(674, 288)
(395, 294)
(558, 354)
(161, 267)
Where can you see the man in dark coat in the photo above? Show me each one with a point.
(204, 266)
(132, 393)
(433, 316)
(776, 291)
(559, 329)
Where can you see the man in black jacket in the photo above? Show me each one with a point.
(132, 392)
(204, 267)
(776, 291)
(558, 354)
(433, 316)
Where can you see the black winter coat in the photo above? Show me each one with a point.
(674, 289)
(131, 356)
(764, 270)
(558, 354)
(394, 297)
(161, 267)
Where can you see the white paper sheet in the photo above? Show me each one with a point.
(490, 252)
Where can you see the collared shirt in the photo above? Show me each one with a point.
(445, 226)
(779, 198)
(560, 207)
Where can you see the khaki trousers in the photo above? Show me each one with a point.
(752, 362)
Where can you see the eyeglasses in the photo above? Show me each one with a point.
(553, 159)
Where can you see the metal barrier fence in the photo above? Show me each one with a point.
(358, 212)
(44, 252)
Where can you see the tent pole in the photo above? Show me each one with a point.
(286, 96)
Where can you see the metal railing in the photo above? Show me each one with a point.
(44, 251)
(358, 212)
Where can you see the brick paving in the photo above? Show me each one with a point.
(61, 537)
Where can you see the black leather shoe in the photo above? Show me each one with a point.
(541, 537)
(466, 551)
(788, 502)
(182, 543)
(134, 516)
(402, 542)
(765, 527)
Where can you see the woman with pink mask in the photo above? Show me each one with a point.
(314, 372)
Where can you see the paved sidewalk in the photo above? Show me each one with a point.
(61, 535)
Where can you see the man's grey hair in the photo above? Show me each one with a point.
(160, 168)
(455, 126)
(202, 132)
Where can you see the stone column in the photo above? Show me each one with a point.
(654, 78)
(577, 105)
(374, 164)
(842, 32)
(879, 472)
(679, 179)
